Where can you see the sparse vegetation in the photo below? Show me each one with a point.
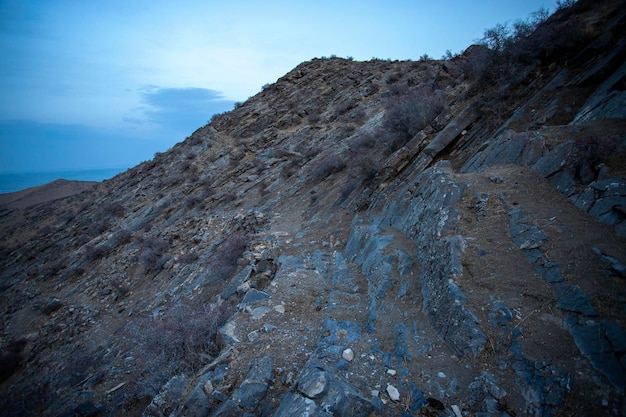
(182, 339)
(408, 114)
(224, 262)
(94, 252)
(514, 50)
(113, 209)
(96, 226)
(153, 254)
(193, 201)
(313, 118)
(325, 167)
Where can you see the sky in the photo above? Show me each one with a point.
(87, 84)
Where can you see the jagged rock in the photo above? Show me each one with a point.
(430, 201)
(486, 394)
(452, 130)
(602, 343)
(333, 392)
(252, 390)
(167, 401)
(197, 402)
(236, 281)
(313, 382)
(509, 148)
(294, 404)
(348, 354)
(607, 102)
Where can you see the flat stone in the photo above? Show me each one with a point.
(615, 334)
(609, 365)
(572, 298)
(259, 312)
(527, 236)
(589, 337)
(551, 274)
(254, 296)
(229, 409)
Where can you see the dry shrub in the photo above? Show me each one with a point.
(181, 340)
(153, 254)
(408, 114)
(325, 167)
(224, 263)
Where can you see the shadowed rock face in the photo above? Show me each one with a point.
(359, 238)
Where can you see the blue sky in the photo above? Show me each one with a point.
(106, 84)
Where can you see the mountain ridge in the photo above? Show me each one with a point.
(360, 237)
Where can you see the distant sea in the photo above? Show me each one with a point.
(17, 181)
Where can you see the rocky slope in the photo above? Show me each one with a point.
(439, 238)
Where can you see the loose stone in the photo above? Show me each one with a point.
(393, 392)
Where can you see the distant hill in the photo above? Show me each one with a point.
(394, 238)
(43, 193)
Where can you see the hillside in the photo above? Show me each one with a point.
(429, 238)
(43, 193)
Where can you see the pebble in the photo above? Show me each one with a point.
(280, 309)
(268, 328)
(393, 392)
(208, 388)
(253, 336)
(391, 372)
(348, 354)
(441, 375)
(259, 312)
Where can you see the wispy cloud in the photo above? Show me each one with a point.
(184, 109)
